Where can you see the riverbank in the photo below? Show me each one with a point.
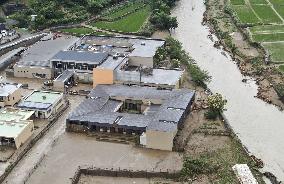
(209, 142)
(258, 125)
(250, 57)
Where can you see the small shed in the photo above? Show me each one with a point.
(67, 78)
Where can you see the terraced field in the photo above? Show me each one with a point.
(129, 17)
(266, 18)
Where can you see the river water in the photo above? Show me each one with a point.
(259, 126)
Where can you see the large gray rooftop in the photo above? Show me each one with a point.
(80, 57)
(162, 76)
(141, 47)
(101, 107)
(41, 52)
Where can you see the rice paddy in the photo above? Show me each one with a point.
(266, 18)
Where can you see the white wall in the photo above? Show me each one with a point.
(29, 71)
(160, 140)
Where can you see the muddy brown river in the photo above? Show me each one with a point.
(259, 126)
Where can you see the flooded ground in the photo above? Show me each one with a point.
(56, 156)
(259, 126)
(72, 150)
(26, 166)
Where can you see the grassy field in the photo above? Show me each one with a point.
(258, 1)
(78, 31)
(266, 14)
(268, 37)
(237, 2)
(276, 51)
(267, 29)
(117, 12)
(130, 23)
(280, 9)
(281, 68)
(246, 15)
(271, 16)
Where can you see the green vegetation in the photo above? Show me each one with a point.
(2, 20)
(216, 105)
(281, 68)
(276, 51)
(56, 12)
(265, 24)
(246, 14)
(237, 2)
(258, 1)
(280, 90)
(266, 13)
(160, 17)
(279, 8)
(79, 31)
(218, 164)
(267, 29)
(130, 23)
(177, 56)
(122, 10)
(268, 37)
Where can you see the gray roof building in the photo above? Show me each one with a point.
(80, 57)
(165, 111)
(41, 52)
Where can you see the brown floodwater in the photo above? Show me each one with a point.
(259, 126)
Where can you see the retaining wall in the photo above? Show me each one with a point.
(110, 172)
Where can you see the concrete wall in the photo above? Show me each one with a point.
(24, 135)
(85, 77)
(160, 140)
(58, 86)
(30, 71)
(102, 76)
(127, 76)
(144, 61)
(13, 98)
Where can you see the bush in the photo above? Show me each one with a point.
(279, 88)
(211, 114)
(193, 167)
(161, 17)
(216, 102)
(175, 53)
(2, 20)
(216, 105)
(198, 76)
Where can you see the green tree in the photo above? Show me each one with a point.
(216, 104)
